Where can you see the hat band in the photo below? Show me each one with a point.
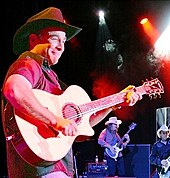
(52, 29)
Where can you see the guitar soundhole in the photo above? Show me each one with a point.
(72, 111)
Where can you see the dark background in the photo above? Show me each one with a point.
(79, 62)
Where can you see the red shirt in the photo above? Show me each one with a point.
(36, 70)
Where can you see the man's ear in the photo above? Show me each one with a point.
(33, 40)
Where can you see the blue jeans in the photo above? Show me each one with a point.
(115, 167)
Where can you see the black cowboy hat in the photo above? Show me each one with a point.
(50, 17)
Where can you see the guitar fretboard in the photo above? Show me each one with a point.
(107, 102)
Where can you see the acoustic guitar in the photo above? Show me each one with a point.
(39, 144)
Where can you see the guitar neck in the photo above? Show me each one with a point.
(107, 102)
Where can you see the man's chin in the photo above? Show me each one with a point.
(55, 62)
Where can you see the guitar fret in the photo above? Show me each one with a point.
(115, 99)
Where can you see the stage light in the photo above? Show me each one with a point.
(101, 18)
(101, 14)
(149, 29)
(144, 20)
(162, 48)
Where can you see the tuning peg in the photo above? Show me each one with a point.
(150, 96)
(159, 95)
(155, 97)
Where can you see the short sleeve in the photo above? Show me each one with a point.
(28, 68)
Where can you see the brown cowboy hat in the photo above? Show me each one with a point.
(50, 17)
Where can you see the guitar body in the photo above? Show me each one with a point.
(39, 144)
(113, 153)
(165, 168)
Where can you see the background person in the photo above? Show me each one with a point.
(108, 138)
(161, 151)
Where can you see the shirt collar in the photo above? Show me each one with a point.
(40, 59)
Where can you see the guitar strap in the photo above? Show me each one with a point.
(46, 67)
(62, 84)
(113, 137)
(7, 116)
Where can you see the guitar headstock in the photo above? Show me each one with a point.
(153, 88)
(132, 126)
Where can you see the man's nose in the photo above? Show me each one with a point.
(59, 47)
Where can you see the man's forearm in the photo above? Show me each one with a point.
(99, 116)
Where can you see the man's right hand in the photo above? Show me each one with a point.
(164, 163)
(66, 126)
(112, 149)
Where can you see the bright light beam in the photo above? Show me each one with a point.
(149, 29)
(162, 45)
(101, 14)
(101, 18)
(143, 21)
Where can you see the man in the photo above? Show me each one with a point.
(113, 144)
(161, 151)
(40, 43)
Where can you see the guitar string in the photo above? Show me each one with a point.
(78, 115)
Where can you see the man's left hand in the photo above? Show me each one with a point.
(131, 96)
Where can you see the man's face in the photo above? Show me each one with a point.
(164, 135)
(56, 41)
(114, 127)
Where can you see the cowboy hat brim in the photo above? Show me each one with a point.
(111, 122)
(159, 130)
(21, 40)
